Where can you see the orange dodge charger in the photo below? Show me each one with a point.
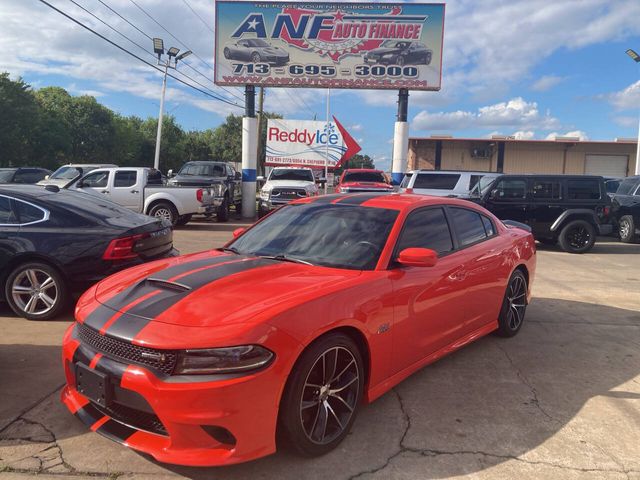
(324, 304)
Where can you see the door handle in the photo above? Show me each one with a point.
(135, 191)
(106, 192)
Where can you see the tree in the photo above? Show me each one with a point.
(171, 148)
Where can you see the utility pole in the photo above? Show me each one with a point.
(172, 53)
(261, 163)
(326, 150)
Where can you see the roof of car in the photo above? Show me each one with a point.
(205, 162)
(393, 201)
(473, 172)
(25, 191)
(375, 170)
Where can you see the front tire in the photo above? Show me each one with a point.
(578, 236)
(223, 211)
(164, 210)
(427, 58)
(183, 220)
(255, 57)
(514, 306)
(36, 291)
(227, 53)
(627, 229)
(322, 396)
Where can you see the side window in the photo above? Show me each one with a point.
(426, 229)
(583, 189)
(28, 176)
(637, 194)
(468, 226)
(28, 213)
(219, 171)
(406, 180)
(511, 190)
(547, 190)
(7, 215)
(436, 181)
(229, 171)
(126, 178)
(488, 226)
(475, 179)
(96, 180)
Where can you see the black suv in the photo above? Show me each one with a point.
(564, 209)
(626, 209)
(206, 173)
(25, 175)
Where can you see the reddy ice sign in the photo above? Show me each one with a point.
(329, 45)
(306, 143)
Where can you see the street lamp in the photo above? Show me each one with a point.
(636, 58)
(172, 53)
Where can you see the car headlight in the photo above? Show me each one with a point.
(264, 194)
(210, 361)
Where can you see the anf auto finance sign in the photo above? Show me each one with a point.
(306, 143)
(329, 45)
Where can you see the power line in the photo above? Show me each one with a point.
(112, 10)
(128, 52)
(197, 15)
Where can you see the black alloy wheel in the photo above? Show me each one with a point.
(514, 306)
(578, 236)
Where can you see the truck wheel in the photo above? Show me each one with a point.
(627, 229)
(183, 220)
(223, 211)
(239, 208)
(578, 236)
(164, 210)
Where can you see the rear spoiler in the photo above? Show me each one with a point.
(514, 224)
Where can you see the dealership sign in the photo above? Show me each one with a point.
(307, 143)
(329, 45)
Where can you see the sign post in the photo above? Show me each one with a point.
(400, 139)
(249, 153)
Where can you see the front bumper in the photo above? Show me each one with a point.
(241, 411)
(270, 205)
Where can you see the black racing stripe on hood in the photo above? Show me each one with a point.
(360, 198)
(323, 199)
(99, 317)
(116, 431)
(89, 414)
(133, 321)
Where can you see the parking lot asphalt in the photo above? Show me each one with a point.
(561, 400)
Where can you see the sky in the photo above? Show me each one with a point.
(529, 68)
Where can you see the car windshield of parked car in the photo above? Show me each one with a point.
(67, 173)
(292, 174)
(364, 177)
(6, 175)
(203, 170)
(258, 43)
(330, 235)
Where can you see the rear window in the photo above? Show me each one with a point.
(468, 225)
(28, 213)
(364, 177)
(7, 216)
(436, 181)
(203, 170)
(583, 189)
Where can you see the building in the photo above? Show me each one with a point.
(507, 155)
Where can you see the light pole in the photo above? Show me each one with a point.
(172, 53)
(636, 58)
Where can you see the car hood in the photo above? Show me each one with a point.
(383, 51)
(380, 185)
(272, 50)
(199, 179)
(212, 289)
(57, 182)
(287, 184)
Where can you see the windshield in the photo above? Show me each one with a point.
(203, 170)
(293, 174)
(68, 173)
(331, 235)
(482, 186)
(364, 177)
(6, 175)
(258, 43)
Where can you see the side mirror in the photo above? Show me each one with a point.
(46, 177)
(260, 178)
(418, 257)
(238, 176)
(494, 194)
(79, 184)
(170, 174)
(238, 231)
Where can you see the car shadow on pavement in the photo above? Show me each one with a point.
(495, 401)
(608, 246)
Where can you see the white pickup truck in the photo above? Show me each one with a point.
(141, 190)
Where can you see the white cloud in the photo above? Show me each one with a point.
(626, 121)
(515, 113)
(626, 99)
(546, 82)
(73, 89)
(358, 127)
(575, 133)
(524, 135)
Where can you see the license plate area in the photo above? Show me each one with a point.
(93, 385)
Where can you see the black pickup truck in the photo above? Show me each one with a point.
(626, 209)
(205, 174)
(567, 209)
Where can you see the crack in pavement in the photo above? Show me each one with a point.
(31, 407)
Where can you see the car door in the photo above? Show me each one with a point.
(9, 231)
(484, 274)
(95, 183)
(126, 189)
(547, 204)
(428, 302)
(509, 199)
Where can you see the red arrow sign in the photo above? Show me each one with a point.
(352, 145)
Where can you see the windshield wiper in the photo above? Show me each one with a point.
(229, 249)
(283, 258)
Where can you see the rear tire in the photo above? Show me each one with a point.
(36, 291)
(183, 220)
(319, 405)
(427, 58)
(627, 229)
(262, 212)
(223, 211)
(578, 236)
(514, 306)
(164, 210)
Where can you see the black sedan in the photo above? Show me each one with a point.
(25, 175)
(56, 242)
(401, 53)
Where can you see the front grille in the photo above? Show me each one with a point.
(134, 418)
(288, 193)
(121, 350)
